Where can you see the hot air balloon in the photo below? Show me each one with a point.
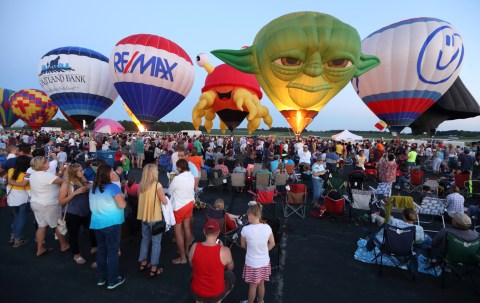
(152, 75)
(421, 58)
(78, 81)
(74, 123)
(230, 94)
(456, 103)
(33, 106)
(302, 60)
(134, 119)
(7, 117)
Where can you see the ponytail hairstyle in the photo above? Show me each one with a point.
(255, 209)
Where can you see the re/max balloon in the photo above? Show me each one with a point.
(153, 75)
(33, 106)
(420, 59)
(78, 81)
(7, 117)
(134, 119)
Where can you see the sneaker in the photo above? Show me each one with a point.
(397, 186)
(101, 282)
(119, 282)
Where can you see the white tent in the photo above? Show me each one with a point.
(346, 136)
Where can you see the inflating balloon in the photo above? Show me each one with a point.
(7, 117)
(33, 106)
(302, 60)
(456, 103)
(232, 95)
(78, 81)
(421, 58)
(134, 119)
(152, 75)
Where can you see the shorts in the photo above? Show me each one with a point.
(411, 163)
(183, 213)
(46, 215)
(141, 156)
(229, 277)
(256, 275)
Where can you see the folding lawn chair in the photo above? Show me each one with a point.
(296, 200)
(335, 208)
(265, 195)
(461, 257)
(219, 216)
(217, 179)
(460, 180)
(416, 181)
(256, 167)
(337, 182)
(356, 179)
(281, 182)
(397, 246)
(203, 178)
(237, 181)
(360, 200)
(433, 207)
(262, 179)
(473, 188)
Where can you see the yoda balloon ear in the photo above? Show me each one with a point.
(367, 62)
(240, 59)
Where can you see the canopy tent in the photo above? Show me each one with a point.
(346, 136)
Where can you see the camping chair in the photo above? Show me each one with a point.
(462, 257)
(473, 188)
(292, 174)
(265, 195)
(416, 181)
(396, 204)
(335, 208)
(307, 180)
(237, 181)
(295, 200)
(359, 199)
(203, 178)
(219, 216)
(433, 207)
(460, 180)
(355, 180)
(262, 179)
(217, 179)
(370, 171)
(337, 182)
(397, 246)
(281, 182)
(256, 167)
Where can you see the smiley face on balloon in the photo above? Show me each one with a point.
(302, 60)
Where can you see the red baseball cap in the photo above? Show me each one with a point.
(212, 226)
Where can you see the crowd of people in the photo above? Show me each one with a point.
(61, 177)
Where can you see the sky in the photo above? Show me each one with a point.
(31, 28)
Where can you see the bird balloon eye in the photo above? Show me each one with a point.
(288, 61)
(202, 59)
(340, 63)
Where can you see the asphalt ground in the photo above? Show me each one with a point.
(316, 265)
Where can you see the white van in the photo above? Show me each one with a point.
(190, 133)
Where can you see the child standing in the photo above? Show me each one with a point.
(258, 239)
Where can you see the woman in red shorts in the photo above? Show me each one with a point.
(181, 191)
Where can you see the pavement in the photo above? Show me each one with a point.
(316, 265)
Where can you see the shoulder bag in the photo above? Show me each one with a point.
(159, 226)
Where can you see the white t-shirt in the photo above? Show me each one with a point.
(257, 236)
(62, 157)
(182, 190)
(43, 191)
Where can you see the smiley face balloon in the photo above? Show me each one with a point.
(421, 58)
(302, 60)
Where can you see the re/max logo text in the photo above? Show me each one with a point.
(155, 66)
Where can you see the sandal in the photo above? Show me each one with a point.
(155, 272)
(143, 265)
(20, 243)
(79, 260)
(179, 261)
(46, 251)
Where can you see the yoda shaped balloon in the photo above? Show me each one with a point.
(302, 60)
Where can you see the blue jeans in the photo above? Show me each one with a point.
(19, 222)
(156, 244)
(317, 188)
(108, 241)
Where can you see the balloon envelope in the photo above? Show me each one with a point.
(153, 75)
(456, 103)
(7, 117)
(420, 59)
(134, 119)
(33, 106)
(78, 81)
(108, 126)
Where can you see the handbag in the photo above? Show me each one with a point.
(62, 223)
(159, 226)
(3, 200)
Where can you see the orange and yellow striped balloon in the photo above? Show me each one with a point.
(33, 106)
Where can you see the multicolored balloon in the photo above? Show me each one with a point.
(78, 81)
(153, 75)
(33, 106)
(7, 117)
(421, 58)
(302, 60)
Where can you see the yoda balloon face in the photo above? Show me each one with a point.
(302, 60)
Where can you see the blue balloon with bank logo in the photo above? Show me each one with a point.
(152, 74)
(420, 59)
(78, 81)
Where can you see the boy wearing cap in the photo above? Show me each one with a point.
(460, 228)
(212, 265)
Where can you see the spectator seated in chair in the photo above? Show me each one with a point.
(265, 170)
(222, 167)
(230, 219)
(239, 169)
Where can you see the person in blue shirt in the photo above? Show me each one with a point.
(274, 163)
(107, 204)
